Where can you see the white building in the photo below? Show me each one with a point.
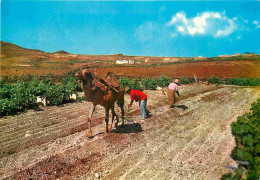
(166, 59)
(125, 61)
(121, 61)
(131, 61)
(225, 56)
(146, 60)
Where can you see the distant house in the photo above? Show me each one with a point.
(225, 56)
(146, 60)
(199, 58)
(131, 61)
(122, 62)
(237, 54)
(167, 59)
(125, 61)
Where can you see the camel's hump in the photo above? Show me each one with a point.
(112, 79)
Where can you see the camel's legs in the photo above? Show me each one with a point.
(92, 109)
(121, 104)
(107, 118)
(113, 117)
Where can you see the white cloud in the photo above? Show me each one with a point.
(180, 29)
(215, 24)
(257, 24)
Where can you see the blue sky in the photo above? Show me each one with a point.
(153, 28)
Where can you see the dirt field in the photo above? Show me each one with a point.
(204, 70)
(190, 141)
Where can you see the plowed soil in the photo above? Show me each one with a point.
(193, 140)
(204, 70)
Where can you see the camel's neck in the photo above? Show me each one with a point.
(87, 88)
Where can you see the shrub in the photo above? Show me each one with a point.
(47, 81)
(183, 80)
(72, 83)
(131, 83)
(55, 94)
(29, 78)
(247, 136)
(72, 72)
(59, 94)
(236, 81)
(7, 107)
(149, 84)
(243, 81)
(125, 82)
(5, 91)
(214, 80)
(134, 84)
(67, 80)
(163, 81)
(22, 95)
(17, 98)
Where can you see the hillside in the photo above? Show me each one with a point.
(62, 52)
(12, 50)
(16, 60)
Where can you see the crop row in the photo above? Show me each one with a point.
(235, 81)
(22, 95)
(150, 83)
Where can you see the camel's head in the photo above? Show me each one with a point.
(85, 74)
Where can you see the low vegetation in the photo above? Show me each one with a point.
(22, 95)
(163, 81)
(150, 83)
(131, 83)
(18, 93)
(247, 136)
(28, 78)
(235, 81)
(183, 80)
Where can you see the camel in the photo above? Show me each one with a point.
(104, 92)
